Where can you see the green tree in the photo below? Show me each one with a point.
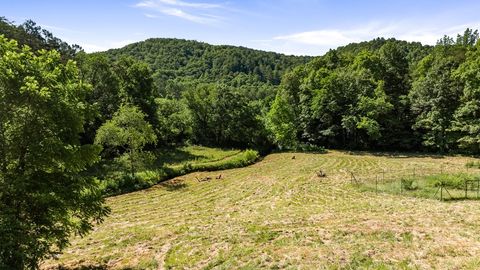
(467, 116)
(281, 122)
(174, 121)
(224, 116)
(105, 96)
(435, 96)
(136, 85)
(128, 132)
(44, 198)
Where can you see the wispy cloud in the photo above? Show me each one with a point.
(192, 11)
(104, 45)
(323, 39)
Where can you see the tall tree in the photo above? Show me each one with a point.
(435, 96)
(128, 132)
(44, 198)
(174, 121)
(467, 116)
(105, 95)
(136, 84)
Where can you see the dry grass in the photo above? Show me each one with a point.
(278, 214)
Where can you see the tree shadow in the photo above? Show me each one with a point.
(394, 154)
(174, 155)
(82, 267)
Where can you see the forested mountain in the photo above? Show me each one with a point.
(177, 62)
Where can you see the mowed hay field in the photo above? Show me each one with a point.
(277, 214)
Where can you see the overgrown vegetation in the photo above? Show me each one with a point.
(44, 195)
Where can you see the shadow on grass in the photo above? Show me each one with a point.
(174, 155)
(394, 154)
(83, 267)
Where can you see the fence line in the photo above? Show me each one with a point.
(405, 179)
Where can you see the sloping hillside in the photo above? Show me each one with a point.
(279, 214)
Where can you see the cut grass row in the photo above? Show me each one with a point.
(276, 214)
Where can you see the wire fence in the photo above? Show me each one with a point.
(441, 183)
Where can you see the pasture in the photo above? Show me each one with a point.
(278, 214)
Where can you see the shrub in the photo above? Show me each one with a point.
(455, 181)
(409, 184)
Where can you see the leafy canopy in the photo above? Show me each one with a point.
(44, 198)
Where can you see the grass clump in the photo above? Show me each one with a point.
(473, 164)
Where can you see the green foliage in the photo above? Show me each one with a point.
(224, 116)
(32, 35)
(454, 181)
(383, 94)
(281, 122)
(105, 95)
(136, 84)
(408, 184)
(467, 115)
(182, 61)
(129, 133)
(435, 96)
(44, 198)
(173, 121)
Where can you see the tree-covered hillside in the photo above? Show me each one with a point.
(383, 94)
(177, 61)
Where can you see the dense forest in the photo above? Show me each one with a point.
(383, 94)
(63, 110)
(177, 62)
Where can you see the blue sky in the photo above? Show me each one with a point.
(301, 27)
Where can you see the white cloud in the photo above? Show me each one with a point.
(194, 12)
(320, 37)
(103, 46)
(148, 15)
(153, 3)
(93, 47)
(319, 41)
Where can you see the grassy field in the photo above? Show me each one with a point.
(277, 214)
(169, 163)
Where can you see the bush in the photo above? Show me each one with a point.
(455, 181)
(311, 148)
(409, 184)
